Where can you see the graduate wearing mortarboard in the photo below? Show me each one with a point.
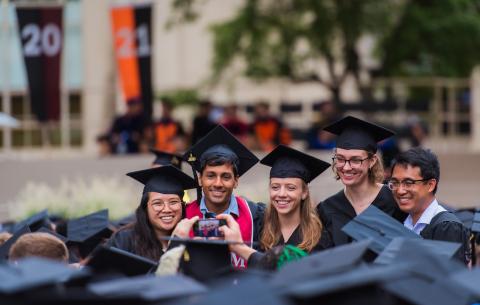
(357, 165)
(220, 160)
(290, 218)
(160, 210)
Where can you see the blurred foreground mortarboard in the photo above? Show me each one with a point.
(164, 158)
(5, 248)
(422, 291)
(360, 285)
(34, 222)
(88, 231)
(286, 162)
(469, 279)
(220, 143)
(354, 133)
(166, 180)
(148, 288)
(403, 249)
(378, 226)
(476, 222)
(59, 236)
(242, 289)
(204, 260)
(110, 259)
(322, 263)
(34, 272)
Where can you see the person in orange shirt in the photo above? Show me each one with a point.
(169, 134)
(267, 130)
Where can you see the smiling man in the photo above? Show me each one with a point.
(220, 159)
(414, 183)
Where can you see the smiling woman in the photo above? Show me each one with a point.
(359, 168)
(160, 210)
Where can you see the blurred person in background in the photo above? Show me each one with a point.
(169, 135)
(318, 138)
(267, 131)
(234, 123)
(128, 132)
(202, 122)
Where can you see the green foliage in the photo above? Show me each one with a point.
(433, 38)
(288, 38)
(181, 96)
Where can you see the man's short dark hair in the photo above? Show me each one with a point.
(218, 161)
(422, 158)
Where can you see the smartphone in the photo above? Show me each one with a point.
(208, 227)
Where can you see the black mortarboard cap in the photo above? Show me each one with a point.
(5, 248)
(164, 158)
(31, 272)
(287, 162)
(378, 226)
(242, 289)
(148, 288)
(357, 286)
(399, 248)
(421, 291)
(89, 231)
(322, 263)
(219, 142)
(469, 279)
(465, 216)
(476, 222)
(34, 222)
(59, 236)
(110, 259)
(166, 180)
(354, 133)
(204, 260)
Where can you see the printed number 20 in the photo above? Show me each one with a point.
(47, 40)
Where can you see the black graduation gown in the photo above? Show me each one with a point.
(336, 211)
(446, 226)
(294, 240)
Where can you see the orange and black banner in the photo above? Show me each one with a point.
(41, 34)
(132, 32)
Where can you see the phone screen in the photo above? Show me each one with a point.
(208, 227)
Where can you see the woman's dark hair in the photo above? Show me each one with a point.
(145, 240)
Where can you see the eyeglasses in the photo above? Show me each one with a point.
(160, 205)
(354, 163)
(406, 184)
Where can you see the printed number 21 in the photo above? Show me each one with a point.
(127, 38)
(47, 40)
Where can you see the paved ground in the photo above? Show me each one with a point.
(458, 186)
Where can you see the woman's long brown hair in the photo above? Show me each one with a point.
(310, 225)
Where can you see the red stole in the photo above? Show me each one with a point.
(244, 220)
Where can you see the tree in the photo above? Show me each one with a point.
(289, 38)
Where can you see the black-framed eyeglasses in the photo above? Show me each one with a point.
(354, 163)
(406, 184)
